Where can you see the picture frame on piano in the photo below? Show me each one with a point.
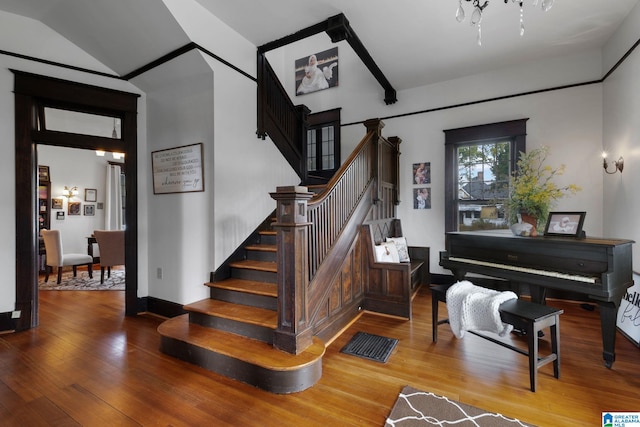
(565, 224)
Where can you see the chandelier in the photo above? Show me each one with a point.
(476, 15)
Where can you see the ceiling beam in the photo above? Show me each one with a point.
(338, 29)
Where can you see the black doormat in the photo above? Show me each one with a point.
(372, 347)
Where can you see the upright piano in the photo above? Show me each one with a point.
(600, 269)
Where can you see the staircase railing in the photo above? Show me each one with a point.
(285, 123)
(315, 235)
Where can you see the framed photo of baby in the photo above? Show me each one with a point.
(422, 198)
(421, 173)
(317, 71)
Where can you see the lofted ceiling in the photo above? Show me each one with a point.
(414, 42)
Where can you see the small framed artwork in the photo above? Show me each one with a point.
(99, 205)
(90, 195)
(74, 208)
(422, 198)
(89, 210)
(56, 203)
(421, 173)
(60, 215)
(568, 224)
(43, 173)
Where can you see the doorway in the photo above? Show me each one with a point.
(34, 93)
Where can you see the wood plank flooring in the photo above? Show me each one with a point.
(87, 364)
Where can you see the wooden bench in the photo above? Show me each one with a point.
(388, 286)
(526, 316)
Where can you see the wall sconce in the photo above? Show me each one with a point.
(70, 192)
(618, 164)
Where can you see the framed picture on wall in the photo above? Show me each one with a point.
(74, 208)
(89, 210)
(56, 203)
(43, 173)
(421, 173)
(317, 71)
(90, 194)
(60, 215)
(178, 169)
(422, 198)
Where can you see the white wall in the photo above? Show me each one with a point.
(24, 36)
(621, 137)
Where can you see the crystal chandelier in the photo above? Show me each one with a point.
(476, 15)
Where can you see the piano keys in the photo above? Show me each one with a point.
(600, 269)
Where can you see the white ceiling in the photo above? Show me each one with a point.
(414, 42)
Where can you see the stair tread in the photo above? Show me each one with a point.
(248, 264)
(261, 247)
(268, 232)
(242, 348)
(238, 312)
(247, 286)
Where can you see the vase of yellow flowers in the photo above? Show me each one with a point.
(532, 190)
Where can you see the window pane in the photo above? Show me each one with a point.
(483, 185)
(82, 123)
(311, 150)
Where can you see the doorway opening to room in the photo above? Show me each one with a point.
(81, 191)
(36, 98)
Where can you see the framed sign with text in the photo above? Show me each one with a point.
(628, 320)
(178, 170)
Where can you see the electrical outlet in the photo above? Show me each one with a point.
(159, 273)
(16, 314)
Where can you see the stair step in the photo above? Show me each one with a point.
(237, 312)
(261, 248)
(247, 286)
(268, 232)
(248, 264)
(244, 359)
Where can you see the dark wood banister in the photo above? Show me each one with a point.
(313, 235)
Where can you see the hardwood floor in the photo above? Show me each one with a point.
(89, 365)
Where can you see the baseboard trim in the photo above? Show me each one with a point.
(161, 307)
(7, 324)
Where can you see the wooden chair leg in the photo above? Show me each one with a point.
(46, 273)
(59, 275)
(90, 270)
(75, 271)
(101, 274)
(109, 272)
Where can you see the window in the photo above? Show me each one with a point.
(323, 145)
(479, 161)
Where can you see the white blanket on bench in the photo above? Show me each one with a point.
(474, 308)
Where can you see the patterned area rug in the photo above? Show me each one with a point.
(415, 408)
(83, 282)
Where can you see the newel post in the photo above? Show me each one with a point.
(376, 125)
(293, 334)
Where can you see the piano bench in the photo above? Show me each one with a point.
(527, 316)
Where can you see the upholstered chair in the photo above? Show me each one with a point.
(111, 245)
(55, 256)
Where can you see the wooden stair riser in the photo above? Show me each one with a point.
(257, 275)
(257, 332)
(274, 381)
(236, 297)
(268, 238)
(261, 255)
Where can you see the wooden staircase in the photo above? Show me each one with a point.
(231, 332)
